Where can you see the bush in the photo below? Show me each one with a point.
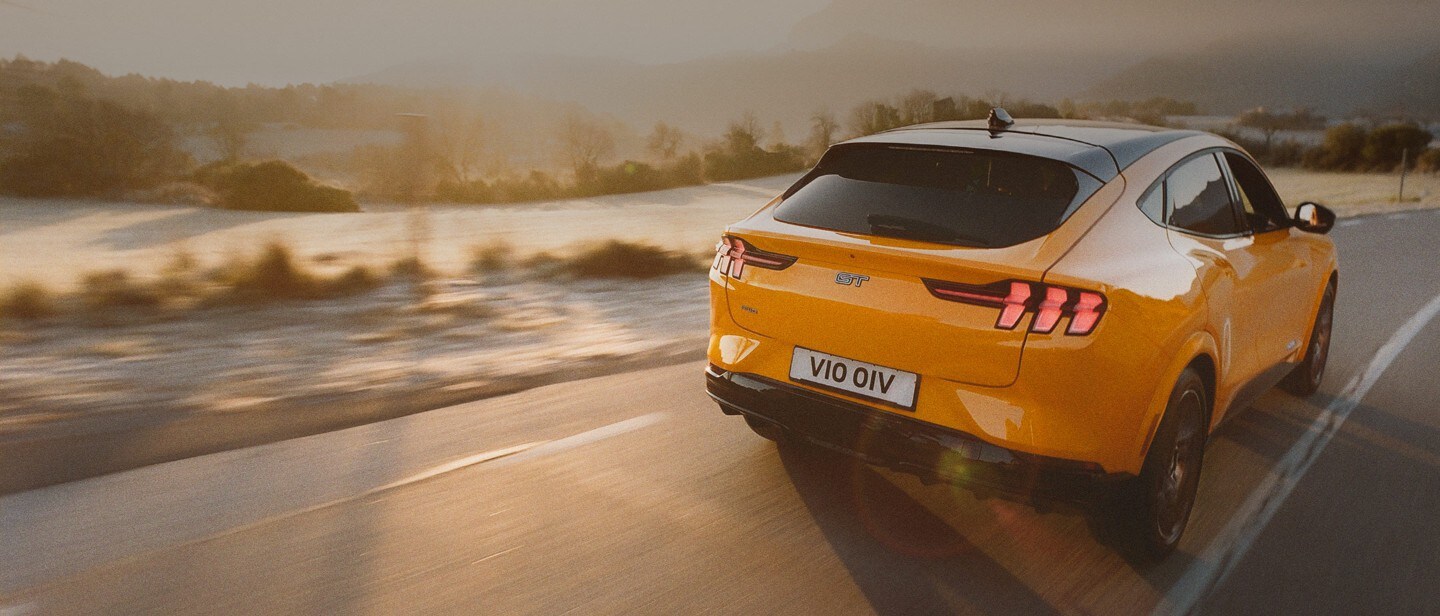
(492, 258)
(1350, 147)
(27, 300)
(617, 259)
(272, 186)
(114, 289)
(275, 275)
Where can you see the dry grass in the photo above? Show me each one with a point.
(1354, 194)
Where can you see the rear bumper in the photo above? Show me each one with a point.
(928, 451)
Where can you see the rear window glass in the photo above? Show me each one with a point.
(947, 196)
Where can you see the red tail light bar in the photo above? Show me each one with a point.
(732, 254)
(1016, 297)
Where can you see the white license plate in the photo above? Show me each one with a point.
(858, 378)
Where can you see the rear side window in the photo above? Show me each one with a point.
(1199, 198)
(1264, 211)
(946, 196)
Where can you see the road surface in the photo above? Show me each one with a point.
(633, 494)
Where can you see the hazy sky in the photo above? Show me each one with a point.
(279, 41)
(273, 41)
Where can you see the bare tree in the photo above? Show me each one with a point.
(744, 134)
(459, 145)
(230, 137)
(586, 142)
(823, 127)
(664, 141)
(917, 107)
(1269, 123)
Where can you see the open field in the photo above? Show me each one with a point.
(56, 242)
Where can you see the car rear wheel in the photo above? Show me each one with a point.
(1305, 380)
(766, 429)
(1160, 499)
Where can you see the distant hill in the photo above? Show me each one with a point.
(1334, 81)
(784, 85)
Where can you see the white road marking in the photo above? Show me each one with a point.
(1349, 223)
(518, 453)
(1226, 550)
(497, 554)
(508, 455)
(453, 465)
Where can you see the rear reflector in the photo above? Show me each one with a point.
(1014, 298)
(732, 254)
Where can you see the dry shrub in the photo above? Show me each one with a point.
(277, 275)
(110, 290)
(27, 300)
(618, 259)
(492, 258)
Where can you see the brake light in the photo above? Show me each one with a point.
(1087, 313)
(1050, 309)
(1014, 298)
(732, 254)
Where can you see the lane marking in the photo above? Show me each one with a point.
(505, 456)
(583, 438)
(1349, 223)
(495, 555)
(1225, 551)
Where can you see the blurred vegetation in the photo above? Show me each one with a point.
(617, 259)
(271, 186)
(27, 301)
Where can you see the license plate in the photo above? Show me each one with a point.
(853, 377)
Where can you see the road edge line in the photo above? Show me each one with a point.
(1224, 552)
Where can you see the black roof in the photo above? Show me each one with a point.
(1102, 149)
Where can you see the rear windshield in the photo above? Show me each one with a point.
(946, 196)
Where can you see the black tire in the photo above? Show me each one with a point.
(1306, 377)
(766, 429)
(1158, 502)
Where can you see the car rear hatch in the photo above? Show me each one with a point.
(845, 263)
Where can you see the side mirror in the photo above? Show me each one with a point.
(1314, 218)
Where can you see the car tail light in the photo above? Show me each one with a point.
(732, 254)
(1014, 298)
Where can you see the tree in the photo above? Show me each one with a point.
(459, 145)
(872, 117)
(71, 145)
(586, 142)
(1269, 123)
(664, 141)
(229, 129)
(917, 107)
(822, 131)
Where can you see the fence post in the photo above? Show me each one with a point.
(1404, 163)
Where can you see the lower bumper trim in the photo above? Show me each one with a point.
(928, 451)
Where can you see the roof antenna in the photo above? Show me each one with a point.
(999, 119)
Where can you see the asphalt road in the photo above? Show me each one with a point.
(633, 494)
